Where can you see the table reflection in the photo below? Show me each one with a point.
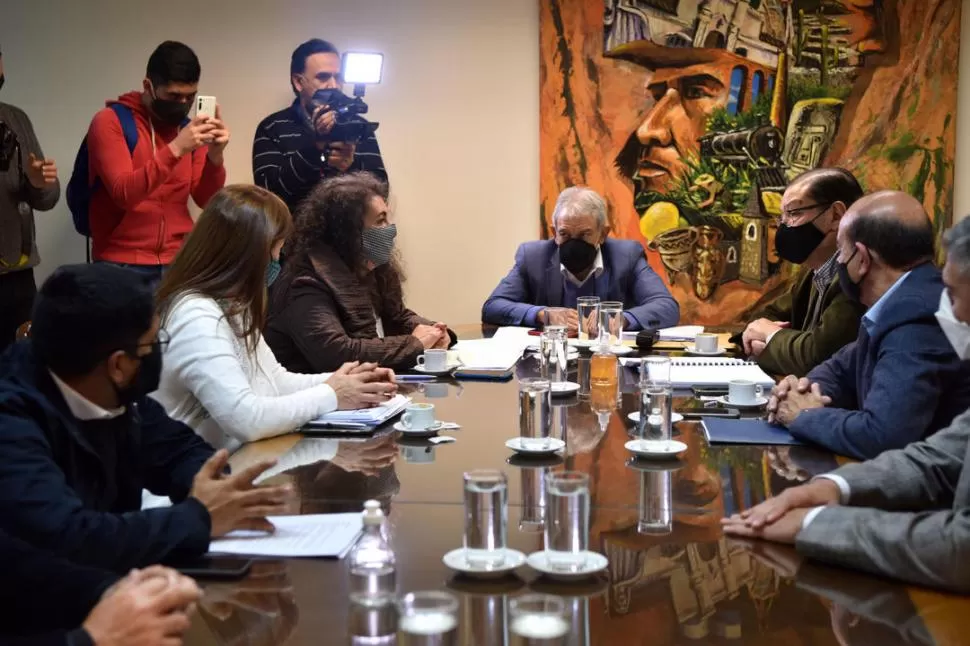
(261, 610)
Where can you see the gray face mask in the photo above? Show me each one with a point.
(379, 244)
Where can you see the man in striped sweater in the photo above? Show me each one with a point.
(291, 152)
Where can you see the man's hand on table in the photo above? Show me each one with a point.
(780, 518)
(756, 335)
(791, 396)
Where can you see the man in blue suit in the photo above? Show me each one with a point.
(549, 275)
(901, 380)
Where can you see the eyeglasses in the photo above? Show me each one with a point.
(160, 344)
(791, 214)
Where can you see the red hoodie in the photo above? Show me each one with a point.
(140, 213)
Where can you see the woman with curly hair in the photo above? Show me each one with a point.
(339, 297)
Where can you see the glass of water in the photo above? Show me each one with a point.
(567, 520)
(656, 503)
(538, 619)
(656, 403)
(535, 412)
(611, 323)
(486, 514)
(588, 312)
(655, 370)
(427, 618)
(552, 354)
(532, 519)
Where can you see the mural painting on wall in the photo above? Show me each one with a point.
(691, 116)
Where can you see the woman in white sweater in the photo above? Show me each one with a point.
(218, 374)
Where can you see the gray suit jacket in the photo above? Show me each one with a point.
(908, 514)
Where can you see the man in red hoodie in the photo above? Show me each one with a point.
(139, 213)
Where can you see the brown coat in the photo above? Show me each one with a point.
(322, 315)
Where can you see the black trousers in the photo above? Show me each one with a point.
(17, 292)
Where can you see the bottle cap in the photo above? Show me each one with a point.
(373, 514)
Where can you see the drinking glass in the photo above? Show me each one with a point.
(535, 412)
(656, 401)
(567, 520)
(588, 312)
(483, 617)
(655, 370)
(611, 323)
(538, 620)
(428, 618)
(583, 375)
(486, 513)
(533, 516)
(656, 503)
(552, 354)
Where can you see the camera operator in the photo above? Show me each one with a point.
(297, 147)
(28, 181)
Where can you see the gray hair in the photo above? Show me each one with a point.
(579, 199)
(956, 241)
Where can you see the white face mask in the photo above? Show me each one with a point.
(957, 332)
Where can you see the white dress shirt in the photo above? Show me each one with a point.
(82, 408)
(843, 497)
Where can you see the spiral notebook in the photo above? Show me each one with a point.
(715, 371)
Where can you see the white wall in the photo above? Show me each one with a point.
(459, 108)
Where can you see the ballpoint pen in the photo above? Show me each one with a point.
(415, 377)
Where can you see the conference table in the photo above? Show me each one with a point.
(672, 578)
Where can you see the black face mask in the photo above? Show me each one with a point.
(168, 111)
(145, 380)
(577, 255)
(853, 291)
(796, 244)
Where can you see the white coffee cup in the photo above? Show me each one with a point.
(434, 360)
(418, 417)
(706, 342)
(741, 391)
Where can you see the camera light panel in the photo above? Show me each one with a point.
(362, 68)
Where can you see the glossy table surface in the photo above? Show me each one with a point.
(673, 578)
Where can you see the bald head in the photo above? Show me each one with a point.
(891, 224)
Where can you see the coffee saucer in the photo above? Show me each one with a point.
(564, 388)
(655, 449)
(759, 402)
(414, 432)
(622, 350)
(674, 417)
(533, 446)
(701, 353)
(424, 370)
(455, 560)
(594, 563)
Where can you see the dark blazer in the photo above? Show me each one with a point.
(536, 280)
(894, 385)
(322, 316)
(798, 349)
(56, 493)
(45, 598)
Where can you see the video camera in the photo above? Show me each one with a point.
(350, 126)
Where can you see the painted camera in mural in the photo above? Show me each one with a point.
(740, 97)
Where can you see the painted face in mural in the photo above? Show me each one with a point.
(685, 98)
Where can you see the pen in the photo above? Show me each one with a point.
(415, 377)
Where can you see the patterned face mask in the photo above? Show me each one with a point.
(379, 244)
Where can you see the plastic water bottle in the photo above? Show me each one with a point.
(373, 579)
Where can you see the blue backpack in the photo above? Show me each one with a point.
(79, 190)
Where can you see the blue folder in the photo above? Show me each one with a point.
(747, 431)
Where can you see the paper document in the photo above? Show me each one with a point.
(491, 354)
(296, 536)
(369, 416)
(681, 333)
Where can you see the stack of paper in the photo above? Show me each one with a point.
(368, 417)
(318, 535)
(681, 333)
(491, 354)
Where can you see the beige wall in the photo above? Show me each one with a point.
(459, 108)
